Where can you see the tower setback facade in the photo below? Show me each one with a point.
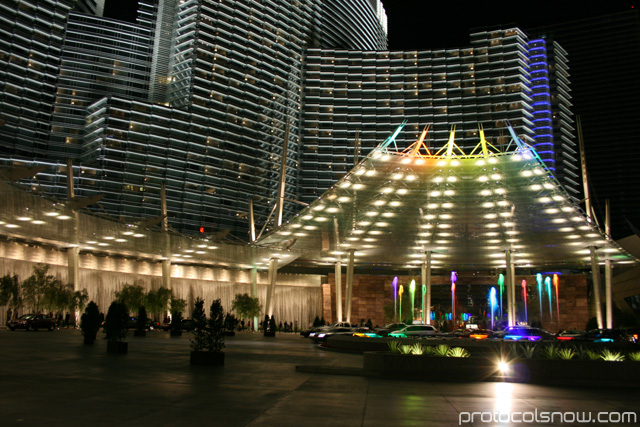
(202, 96)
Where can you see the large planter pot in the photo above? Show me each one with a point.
(137, 333)
(176, 333)
(207, 358)
(89, 339)
(117, 347)
(269, 333)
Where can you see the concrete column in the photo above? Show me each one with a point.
(509, 285)
(595, 274)
(273, 273)
(73, 251)
(339, 291)
(351, 254)
(608, 297)
(254, 293)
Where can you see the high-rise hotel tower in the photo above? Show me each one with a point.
(203, 95)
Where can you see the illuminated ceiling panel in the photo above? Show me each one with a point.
(466, 209)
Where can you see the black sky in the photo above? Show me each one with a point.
(434, 24)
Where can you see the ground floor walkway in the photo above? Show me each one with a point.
(50, 378)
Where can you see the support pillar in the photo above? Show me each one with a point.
(510, 290)
(351, 255)
(339, 291)
(166, 259)
(254, 293)
(273, 273)
(73, 251)
(595, 274)
(608, 296)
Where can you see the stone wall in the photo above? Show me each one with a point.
(371, 293)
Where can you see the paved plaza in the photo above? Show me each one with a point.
(51, 379)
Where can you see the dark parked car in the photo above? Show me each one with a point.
(605, 335)
(33, 322)
(322, 336)
(526, 333)
(387, 329)
(185, 325)
(150, 324)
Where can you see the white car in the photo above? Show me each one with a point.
(415, 331)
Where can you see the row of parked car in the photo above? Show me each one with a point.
(34, 322)
(512, 333)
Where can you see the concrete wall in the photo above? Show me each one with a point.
(371, 293)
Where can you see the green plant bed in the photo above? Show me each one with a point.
(207, 358)
(574, 372)
(429, 368)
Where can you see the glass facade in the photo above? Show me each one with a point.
(201, 95)
(353, 100)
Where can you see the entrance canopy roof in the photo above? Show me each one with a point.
(466, 209)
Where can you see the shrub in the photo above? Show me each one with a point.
(611, 356)
(548, 352)
(394, 347)
(216, 326)
(593, 355)
(201, 339)
(528, 350)
(441, 350)
(566, 353)
(405, 349)
(141, 321)
(418, 348)
(116, 322)
(90, 322)
(458, 352)
(634, 356)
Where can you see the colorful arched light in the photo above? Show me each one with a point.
(501, 287)
(454, 278)
(556, 281)
(394, 283)
(539, 281)
(412, 291)
(524, 297)
(400, 292)
(547, 283)
(493, 302)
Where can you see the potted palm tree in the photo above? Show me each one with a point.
(115, 327)
(208, 335)
(90, 323)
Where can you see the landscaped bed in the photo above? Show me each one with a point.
(542, 363)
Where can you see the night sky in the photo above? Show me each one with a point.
(428, 24)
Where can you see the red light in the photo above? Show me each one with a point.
(564, 338)
(202, 229)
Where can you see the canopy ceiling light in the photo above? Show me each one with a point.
(468, 208)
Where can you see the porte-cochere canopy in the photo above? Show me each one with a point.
(467, 210)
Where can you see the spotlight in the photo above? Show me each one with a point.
(503, 367)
